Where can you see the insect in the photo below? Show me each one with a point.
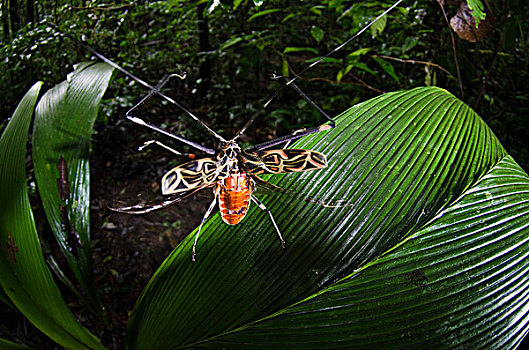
(232, 172)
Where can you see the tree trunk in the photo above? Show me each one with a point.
(14, 15)
(5, 21)
(36, 8)
(203, 46)
(30, 11)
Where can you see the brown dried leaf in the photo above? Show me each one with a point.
(465, 26)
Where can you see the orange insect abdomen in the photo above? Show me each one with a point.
(234, 197)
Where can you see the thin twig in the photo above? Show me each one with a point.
(453, 49)
(366, 85)
(489, 71)
(359, 82)
(415, 62)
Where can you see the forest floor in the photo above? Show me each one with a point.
(130, 248)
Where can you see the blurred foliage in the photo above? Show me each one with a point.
(230, 50)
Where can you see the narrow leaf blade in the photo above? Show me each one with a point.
(24, 275)
(68, 112)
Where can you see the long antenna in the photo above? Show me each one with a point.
(142, 82)
(289, 82)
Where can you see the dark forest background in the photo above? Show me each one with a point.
(230, 51)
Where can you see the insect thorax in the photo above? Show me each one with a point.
(228, 160)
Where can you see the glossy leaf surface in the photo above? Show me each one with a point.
(63, 126)
(428, 251)
(24, 276)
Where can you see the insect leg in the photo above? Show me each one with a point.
(262, 207)
(156, 89)
(153, 90)
(206, 215)
(293, 136)
(176, 137)
(306, 98)
(155, 142)
(291, 81)
(295, 132)
(302, 132)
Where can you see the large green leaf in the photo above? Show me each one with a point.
(63, 125)
(24, 276)
(460, 281)
(429, 250)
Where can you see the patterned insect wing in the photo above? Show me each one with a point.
(189, 176)
(282, 161)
